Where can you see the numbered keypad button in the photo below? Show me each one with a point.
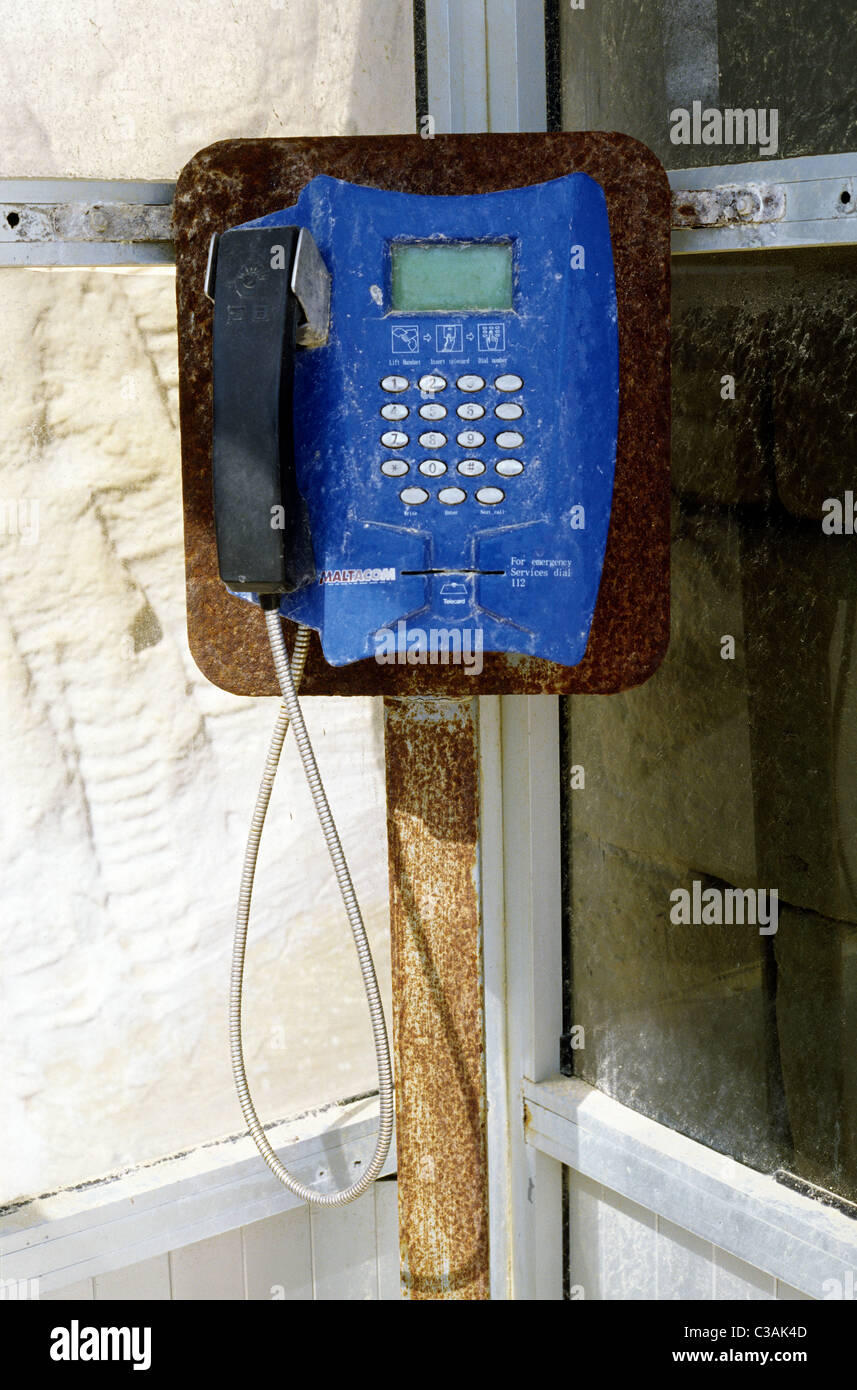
(509, 439)
(508, 410)
(432, 468)
(508, 382)
(432, 382)
(470, 410)
(432, 439)
(394, 439)
(490, 496)
(471, 468)
(433, 411)
(394, 383)
(394, 411)
(394, 468)
(470, 382)
(451, 496)
(413, 496)
(509, 468)
(470, 439)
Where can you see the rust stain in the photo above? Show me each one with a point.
(438, 1026)
(241, 179)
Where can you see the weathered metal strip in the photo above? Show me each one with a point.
(438, 1015)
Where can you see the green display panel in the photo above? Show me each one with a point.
(456, 275)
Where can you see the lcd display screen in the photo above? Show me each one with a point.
(453, 275)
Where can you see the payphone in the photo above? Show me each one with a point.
(406, 408)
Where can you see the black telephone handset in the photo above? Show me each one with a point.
(271, 297)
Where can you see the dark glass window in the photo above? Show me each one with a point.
(737, 771)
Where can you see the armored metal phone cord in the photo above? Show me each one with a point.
(289, 677)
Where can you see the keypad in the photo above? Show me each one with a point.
(468, 438)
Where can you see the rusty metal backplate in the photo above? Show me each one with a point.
(238, 180)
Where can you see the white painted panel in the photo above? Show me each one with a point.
(149, 1280)
(735, 1279)
(81, 1290)
(685, 1264)
(343, 1251)
(612, 1244)
(278, 1257)
(209, 1269)
(387, 1240)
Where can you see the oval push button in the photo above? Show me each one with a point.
(470, 439)
(508, 382)
(432, 439)
(470, 410)
(394, 383)
(508, 410)
(394, 439)
(451, 496)
(413, 496)
(470, 382)
(393, 411)
(432, 382)
(509, 439)
(490, 496)
(433, 411)
(471, 468)
(509, 468)
(394, 468)
(432, 468)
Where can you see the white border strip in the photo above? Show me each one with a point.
(746, 1213)
(103, 1226)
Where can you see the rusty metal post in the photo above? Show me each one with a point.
(438, 1015)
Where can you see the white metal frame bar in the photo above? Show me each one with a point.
(85, 222)
(486, 71)
(749, 1214)
(820, 204)
(81, 1232)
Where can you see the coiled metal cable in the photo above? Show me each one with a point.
(289, 677)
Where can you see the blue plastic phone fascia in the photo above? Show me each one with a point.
(519, 577)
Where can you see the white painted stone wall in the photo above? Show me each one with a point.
(128, 780)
